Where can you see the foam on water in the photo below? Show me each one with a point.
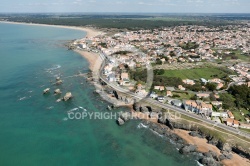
(156, 133)
(65, 119)
(198, 163)
(22, 98)
(54, 68)
(141, 125)
(74, 109)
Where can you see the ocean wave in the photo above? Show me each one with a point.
(172, 142)
(65, 119)
(22, 98)
(80, 107)
(198, 163)
(74, 109)
(156, 133)
(49, 108)
(141, 125)
(54, 68)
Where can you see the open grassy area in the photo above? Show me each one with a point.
(183, 95)
(196, 73)
(238, 116)
(245, 130)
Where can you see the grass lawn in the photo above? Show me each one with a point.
(238, 116)
(183, 95)
(246, 130)
(198, 73)
(241, 56)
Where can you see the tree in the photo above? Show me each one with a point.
(158, 61)
(159, 71)
(227, 100)
(211, 86)
(241, 94)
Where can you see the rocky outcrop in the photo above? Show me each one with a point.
(195, 134)
(67, 96)
(136, 107)
(57, 91)
(226, 155)
(46, 90)
(125, 116)
(209, 161)
(209, 158)
(59, 82)
(187, 149)
(120, 121)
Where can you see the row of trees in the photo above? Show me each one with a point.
(111, 21)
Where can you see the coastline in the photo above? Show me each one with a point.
(204, 146)
(93, 58)
(90, 32)
(94, 65)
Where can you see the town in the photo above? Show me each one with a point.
(195, 68)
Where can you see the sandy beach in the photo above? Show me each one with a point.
(94, 64)
(94, 59)
(203, 146)
(91, 32)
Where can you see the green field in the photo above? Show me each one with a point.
(183, 95)
(198, 73)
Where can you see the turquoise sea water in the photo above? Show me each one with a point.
(35, 130)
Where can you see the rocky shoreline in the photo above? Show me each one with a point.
(165, 127)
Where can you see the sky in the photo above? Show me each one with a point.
(131, 6)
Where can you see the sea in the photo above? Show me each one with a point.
(35, 130)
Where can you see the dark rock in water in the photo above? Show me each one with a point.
(57, 91)
(120, 121)
(67, 96)
(46, 90)
(198, 156)
(59, 82)
(187, 149)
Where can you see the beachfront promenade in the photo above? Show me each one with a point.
(166, 106)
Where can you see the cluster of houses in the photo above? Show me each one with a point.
(243, 73)
(170, 45)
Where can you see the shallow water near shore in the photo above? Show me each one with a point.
(36, 130)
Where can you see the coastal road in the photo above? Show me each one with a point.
(171, 107)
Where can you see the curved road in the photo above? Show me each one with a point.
(168, 106)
